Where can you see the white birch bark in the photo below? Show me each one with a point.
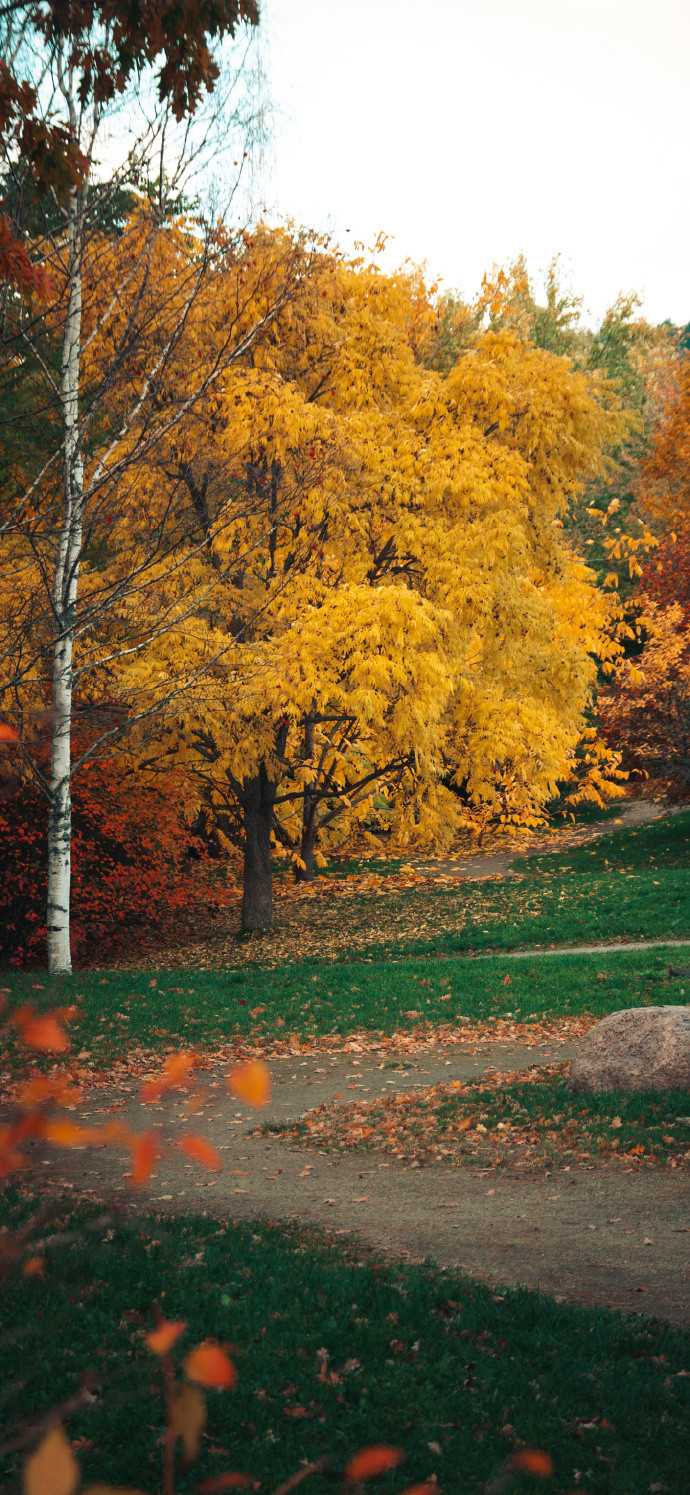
(65, 584)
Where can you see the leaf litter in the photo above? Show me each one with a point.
(515, 1118)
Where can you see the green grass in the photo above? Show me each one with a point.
(122, 1011)
(662, 843)
(599, 1121)
(501, 1120)
(628, 885)
(434, 1358)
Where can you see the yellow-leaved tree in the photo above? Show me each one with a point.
(381, 619)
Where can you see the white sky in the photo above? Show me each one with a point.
(472, 130)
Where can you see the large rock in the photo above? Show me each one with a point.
(640, 1048)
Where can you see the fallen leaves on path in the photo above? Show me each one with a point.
(416, 1037)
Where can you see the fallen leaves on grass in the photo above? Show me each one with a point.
(487, 1123)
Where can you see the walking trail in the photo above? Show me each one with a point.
(589, 1234)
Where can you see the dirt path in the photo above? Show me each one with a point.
(478, 865)
(599, 1235)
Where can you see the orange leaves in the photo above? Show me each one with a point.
(8, 733)
(67, 1133)
(251, 1082)
(209, 1365)
(34, 1266)
(177, 1070)
(52, 1469)
(146, 1151)
(45, 1032)
(371, 1461)
(201, 1151)
(162, 1339)
(42, 1088)
(532, 1461)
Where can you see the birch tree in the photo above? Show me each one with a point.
(95, 361)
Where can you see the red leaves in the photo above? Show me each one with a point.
(209, 1365)
(129, 864)
(231, 1481)
(533, 1461)
(146, 1151)
(16, 267)
(370, 1461)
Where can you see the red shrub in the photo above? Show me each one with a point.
(131, 865)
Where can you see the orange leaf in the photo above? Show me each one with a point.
(34, 1266)
(201, 1151)
(42, 1087)
(210, 1366)
(52, 1469)
(176, 1071)
(8, 733)
(370, 1461)
(251, 1082)
(532, 1461)
(67, 1133)
(230, 1481)
(162, 1339)
(145, 1154)
(45, 1033)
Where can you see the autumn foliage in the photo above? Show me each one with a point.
(646, 708)
(130, 858)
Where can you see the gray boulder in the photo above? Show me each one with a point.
(640, 1048)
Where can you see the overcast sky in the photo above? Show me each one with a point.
(472, 130)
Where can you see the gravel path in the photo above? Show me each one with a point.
(591, 1235)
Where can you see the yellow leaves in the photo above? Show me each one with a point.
(384, 550)
(52, 1469)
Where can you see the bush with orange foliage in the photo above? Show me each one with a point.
(646, 711)
(135, 864)
(663, 488)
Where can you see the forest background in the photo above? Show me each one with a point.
(301, 557)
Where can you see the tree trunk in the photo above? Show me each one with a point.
(308, 840)
(258, 798)
(64, 596)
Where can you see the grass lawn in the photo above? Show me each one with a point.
(505, 1119)
(336, 1350)
(123, 1011)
